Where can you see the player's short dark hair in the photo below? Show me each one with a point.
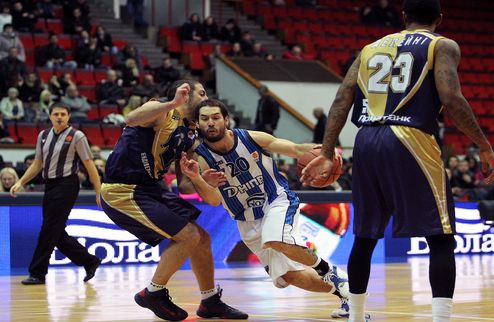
(170, 93)
(422, 11)
(59, 105)
(211, 103)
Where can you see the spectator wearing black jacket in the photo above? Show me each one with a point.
(88, 55)
(105, 42)
(210, 30)
(11, 70)
(77, 23)
(268, 112)
(192, 29)
(166, 73)
(320, 127)
(110, 90)
(52, 55)
(30, 88)
(23, 19)
(230, 32)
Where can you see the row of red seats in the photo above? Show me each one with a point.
(66, 41)
(99, 134)
(82, 77)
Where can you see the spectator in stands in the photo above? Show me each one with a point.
(100, 164)
(5, 16)
(43, 111)
(135, 8)
(192, 29)
(210, 30)
(345, 180)
(4, 132)
(77, 23)
(235, 51)
(11, 106)
(385, 15)
(52, 55)
(70, 5)
(58, 85)
(130, 73)
(78, 104)
(148, 88)
(463, 178)
(8, 177)
(23, 19)
(21, 169)
(231, 32)
(247, 44)
(30, 88)
(45, 8)
(166, 73)
(88, 55)
(258, 50)
(11, 70)
(367, 16)
(306, 3)
(321, 118)
(105, 42)
(129, 51)
(268, 112)
(134, 102)
(9, 39)
(110, 91)
(96, 151)
(346, 65)
(289, 174)
(294, 54)
(452, 164)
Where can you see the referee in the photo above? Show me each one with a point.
(59, 150)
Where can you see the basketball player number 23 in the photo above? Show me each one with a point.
(383, 65)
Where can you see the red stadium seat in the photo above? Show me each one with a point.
(27, 133)
(190, 47)
(105, 109)
(85, 77)
(111, 133)
(45, 74)
(40, 39)
(100, 75)
(40, 24)
(93, 113)
(27, 40)
(55, 26)
(93, 133)
(89, 92)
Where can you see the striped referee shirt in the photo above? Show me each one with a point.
(61, 153)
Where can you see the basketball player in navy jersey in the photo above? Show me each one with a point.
(156, 135)
(398, 85)
(258, 198)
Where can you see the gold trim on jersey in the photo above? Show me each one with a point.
(121, 197)
(426, 152)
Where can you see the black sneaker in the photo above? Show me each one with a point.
(33, 280)
(214, 307)
(91, 269)
(160, 302)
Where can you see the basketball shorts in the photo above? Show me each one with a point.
(147, 212)
(278, 224)
(398, 171)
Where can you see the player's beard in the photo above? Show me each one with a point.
(217, 136)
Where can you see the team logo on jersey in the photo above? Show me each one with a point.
(256, 200)
(69, 138)
(255, 155)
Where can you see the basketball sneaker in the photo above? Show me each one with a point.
(339, 280)
(344, 311)
(214, 307)
(160, 302)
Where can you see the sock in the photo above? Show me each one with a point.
(356, 303)
(153, 287)
(321, 266)
(441, 309)
(207, 294)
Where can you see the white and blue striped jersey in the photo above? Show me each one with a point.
(253, 180)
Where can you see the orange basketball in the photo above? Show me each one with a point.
(335, 171)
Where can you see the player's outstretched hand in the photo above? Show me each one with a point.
(189, 167)
(487, 160)
(15, 188)
(182, 95)
(214, 177)
(317, 169)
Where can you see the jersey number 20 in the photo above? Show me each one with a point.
(383, 65)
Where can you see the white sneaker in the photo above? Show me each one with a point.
(338, 279)
(344, 311)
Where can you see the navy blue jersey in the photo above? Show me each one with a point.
(396, 82)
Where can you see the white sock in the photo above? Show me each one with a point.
(153, 287)
(207, 294)
(356, 303)
(441, 309)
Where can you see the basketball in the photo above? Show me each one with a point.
(335, 171)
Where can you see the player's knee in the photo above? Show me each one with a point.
(278, 246)
(190, 235)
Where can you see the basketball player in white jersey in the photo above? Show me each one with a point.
(258, 198)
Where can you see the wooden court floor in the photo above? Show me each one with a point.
(398, 292)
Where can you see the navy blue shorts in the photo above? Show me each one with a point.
(148, 213)
(398, 171)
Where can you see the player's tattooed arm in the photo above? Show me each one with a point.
(447, 59)
(338, 112)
